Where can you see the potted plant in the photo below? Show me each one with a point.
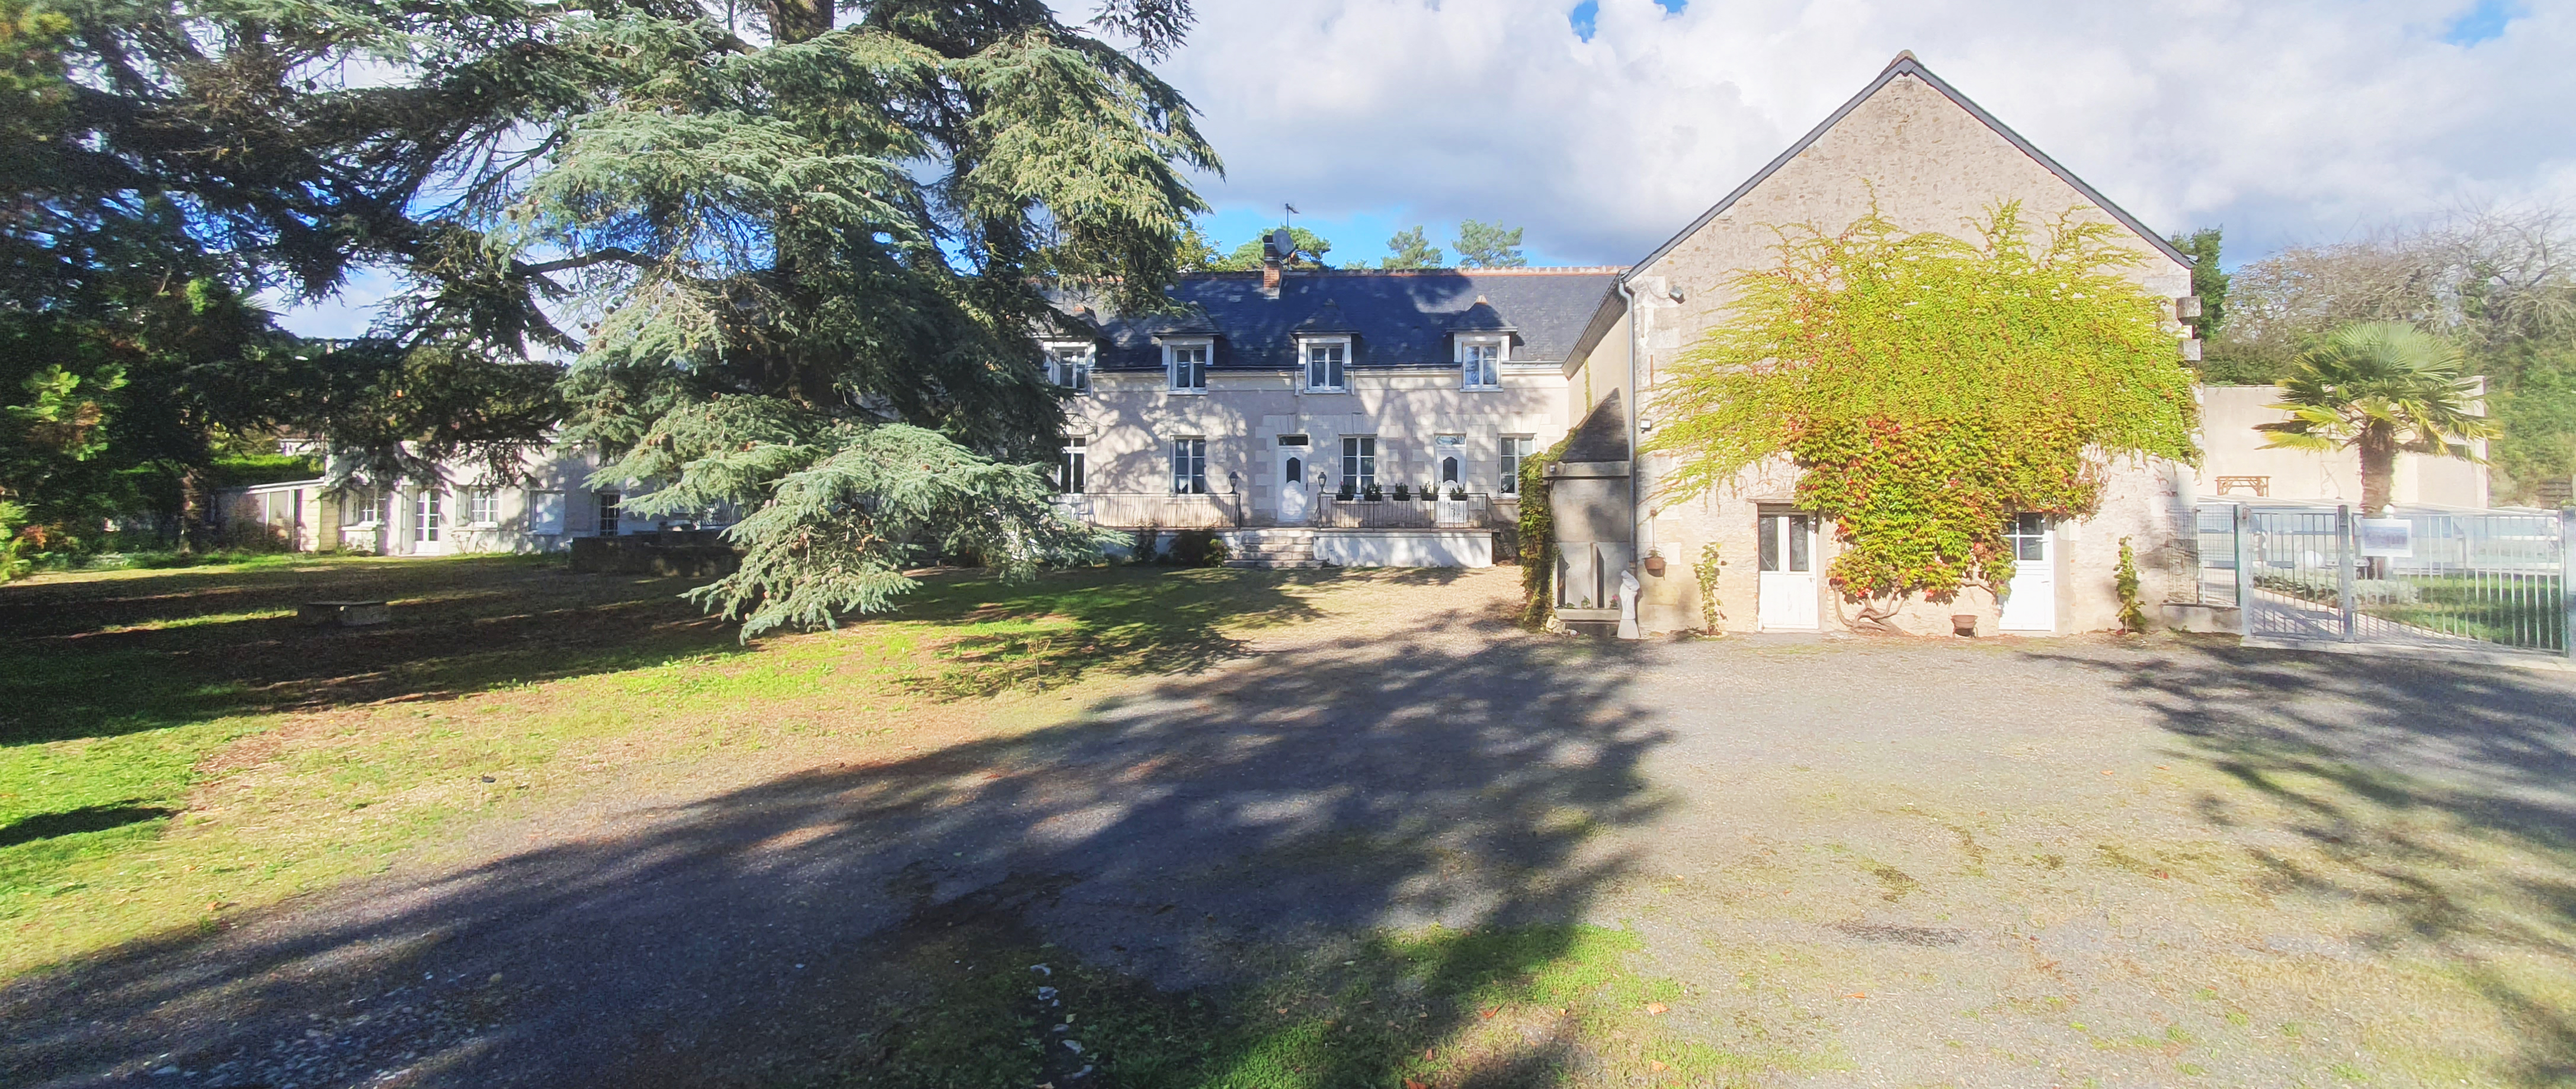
(1655, 564)
(1403, 492)
(1372, 493)
(1347, 493)
(1458, 492)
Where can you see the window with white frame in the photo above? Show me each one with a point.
(1069, 465)
(429, 520)
(1068, 365)
(1516, 448)
(482, 507)
(1359, 460)
(608, 514)
(1480, 359)
(1189, 466)
(1327, 359)
(1449, 458)
(1187, 362)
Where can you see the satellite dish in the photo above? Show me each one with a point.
(1282, 244)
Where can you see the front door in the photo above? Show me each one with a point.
(1787, 595)
(1294, 500)
(2030, 603)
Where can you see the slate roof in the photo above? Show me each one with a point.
(1395, 319)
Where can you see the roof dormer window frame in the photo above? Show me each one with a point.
(1069, 364)
(1477, 369)
(1324, 364)
(1180, 375)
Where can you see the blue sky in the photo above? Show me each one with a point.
(1603, 128)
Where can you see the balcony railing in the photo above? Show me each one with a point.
(1133, 510)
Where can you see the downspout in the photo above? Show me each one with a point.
(1636, 460)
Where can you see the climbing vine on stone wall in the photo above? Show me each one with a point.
(1537, 534)
(1929, 387)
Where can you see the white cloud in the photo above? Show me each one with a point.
(2293, 120)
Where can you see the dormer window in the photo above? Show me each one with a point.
(1068, 364)
(1327, 362)
(1480, 361)
(1186, 361)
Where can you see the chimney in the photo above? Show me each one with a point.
(1275, 251)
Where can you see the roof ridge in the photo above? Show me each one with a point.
(1906, 64)
(1531, 270)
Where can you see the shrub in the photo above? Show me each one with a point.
(1197, 548)
(2322, 588)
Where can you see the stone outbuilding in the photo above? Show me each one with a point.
(1928, 159)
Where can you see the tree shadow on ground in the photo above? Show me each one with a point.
(1219, 832)
(2404, 778)
(115, 656)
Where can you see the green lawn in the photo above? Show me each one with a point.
(174, 745)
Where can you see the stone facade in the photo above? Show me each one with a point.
(1927, 160)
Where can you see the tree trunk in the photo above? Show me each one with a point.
(793, 21)
(2378, 467)
(195, 525)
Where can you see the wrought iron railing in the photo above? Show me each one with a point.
(1476, 510)
(1135, 510)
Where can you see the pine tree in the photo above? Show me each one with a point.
(1411, 249)
(1489, 245)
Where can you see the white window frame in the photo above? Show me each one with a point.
(1172, 377)
(429, 516)
(1072, 466)
(1515, 448)
(1306, 364)
(482, 508)
(1359, 460)
(1478, 373)
(610, 510)
(1069, 364)
(1189, 465)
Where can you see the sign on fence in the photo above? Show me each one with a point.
(2393, 538)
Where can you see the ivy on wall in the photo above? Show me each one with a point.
(1930, 387)
(1538, 534)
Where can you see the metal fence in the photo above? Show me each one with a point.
(1477, 511)
(1135, 510)
(2434, 579)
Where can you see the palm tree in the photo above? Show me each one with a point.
(2380, 387)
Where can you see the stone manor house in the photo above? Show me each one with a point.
(1380, 417)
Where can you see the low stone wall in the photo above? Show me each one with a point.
(670, 554)
(1405, 548)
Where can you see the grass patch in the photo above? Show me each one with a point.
(174, 745)
(1538, 1005)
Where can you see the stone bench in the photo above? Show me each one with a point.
(344, 614)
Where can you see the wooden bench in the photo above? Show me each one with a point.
(2261, 486)
(344, 614)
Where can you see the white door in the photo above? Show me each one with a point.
(1787, 596)
(2030, 603)
(1294, 500)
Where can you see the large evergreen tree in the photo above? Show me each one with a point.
(852, 211)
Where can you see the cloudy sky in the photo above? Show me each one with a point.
(1603, 126)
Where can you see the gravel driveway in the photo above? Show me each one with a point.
(1998, 862)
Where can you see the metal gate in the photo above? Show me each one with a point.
(2432, 579)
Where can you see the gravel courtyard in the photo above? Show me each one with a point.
(1864, 862)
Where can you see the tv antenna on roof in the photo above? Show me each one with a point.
(1291, 213)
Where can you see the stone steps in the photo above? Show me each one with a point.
(1273, 548)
